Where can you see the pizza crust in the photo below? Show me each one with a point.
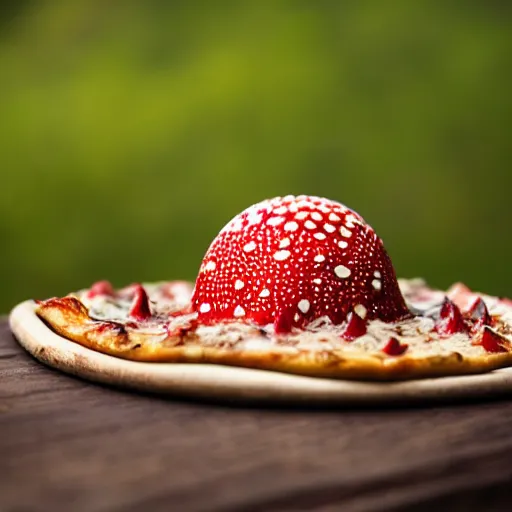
(221, 382)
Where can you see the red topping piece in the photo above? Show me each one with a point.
(479, 313)
(493, 342)
(450, 319)
(356, 327)
(461, 295)
(100, 288)
(291, 260)
(140, 308)
(179, 292)
(394, 347)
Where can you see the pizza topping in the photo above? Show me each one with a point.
(178, 291)
(461, 295)
(394, 347)
(183, 329)
(474, 307)
(289, 261)
(450, 319)
(140, 309)
(355, 328)
(100, 288)
(493, 342)
(479, 314)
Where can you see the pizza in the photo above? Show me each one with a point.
(301, 285)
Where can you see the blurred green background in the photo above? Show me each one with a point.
(131, 132)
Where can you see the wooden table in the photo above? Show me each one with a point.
(70, 445)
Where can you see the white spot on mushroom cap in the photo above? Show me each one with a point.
(301, 215)
(304, 305)
(304, 203)
(317, 281)
(319, 258)
(309, 225)
(275, 221)
(319, 236)
(281, 255)
(360, 311)
(329, 228)
(377, 284)
(265, 293)
(342, 244)
(281, 210)
(254, 217)
(377, 274)
(345, 232)
(239, 311)
(285, 242)
(342, 272)
(250, 246)
(291, 226)
(210, 266)
(239, 284)
(204, 307)
(350, 220)
(334, 218)
(316, 216)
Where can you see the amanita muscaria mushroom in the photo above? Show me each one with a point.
(288, 261)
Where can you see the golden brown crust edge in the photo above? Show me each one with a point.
(69, 318)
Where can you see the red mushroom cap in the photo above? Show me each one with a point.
(292, 260)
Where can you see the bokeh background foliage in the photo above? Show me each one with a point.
(130, 132)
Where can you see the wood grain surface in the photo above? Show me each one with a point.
(70, 445)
